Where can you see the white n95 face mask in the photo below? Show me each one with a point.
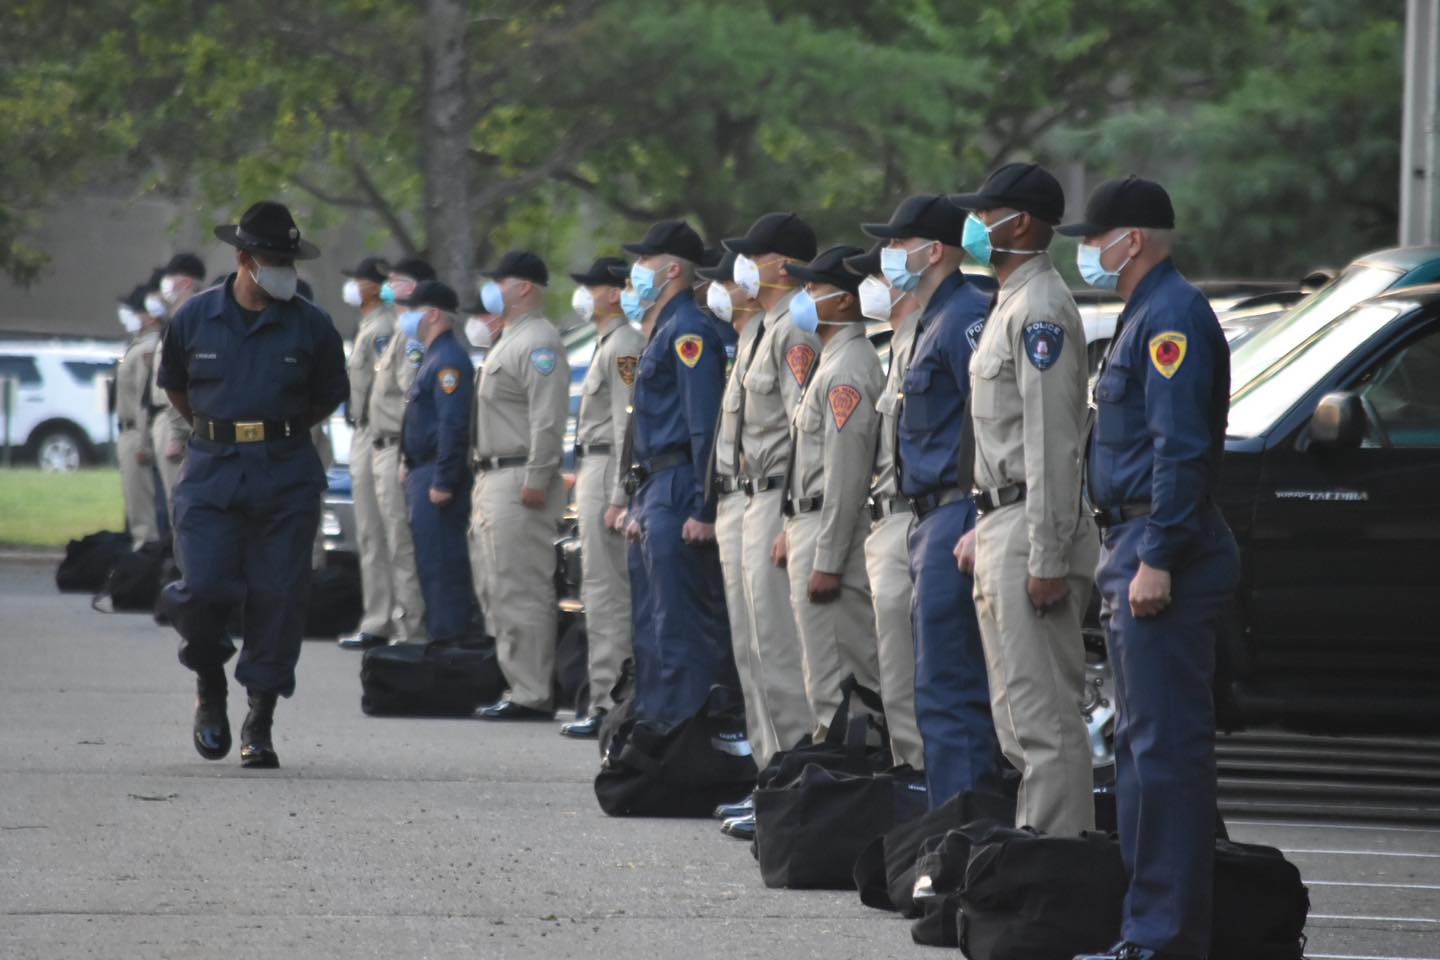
(875, 299)
(477, 331)
(718, 299)
(350, 293)
(130, 320)
(279, 282)
(583, 303)
(747, 274)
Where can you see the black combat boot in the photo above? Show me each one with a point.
(212, 723)
(256, 750)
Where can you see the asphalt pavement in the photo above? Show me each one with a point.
(393, 838)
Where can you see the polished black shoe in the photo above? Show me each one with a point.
(741, 808)
(741, 828)
(586, 729)
(256, 749)
(212, 722)
(1132, 951)
(361, 641)
(509, 710)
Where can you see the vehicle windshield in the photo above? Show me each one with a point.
(1253, 356)
(1260, 403)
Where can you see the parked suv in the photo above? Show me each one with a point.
(61, 415)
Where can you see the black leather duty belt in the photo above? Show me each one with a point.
(583, 450)
(802, 505)
(885, 506)
(642, 470)
(246, 431)
(761, 484)
(484, 464)
(726, 485)
(124, 425)
(1107, 517)
(934, 501)
(988, 500)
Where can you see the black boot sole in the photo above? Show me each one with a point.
(259, 760)
(208, 754)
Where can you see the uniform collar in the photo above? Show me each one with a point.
(781, 308)
(611, 325)
(227, 306)
(942, 293)
(522, 319)
(1147, 286)
(1023, 274)
(851, 331)
(672, 306)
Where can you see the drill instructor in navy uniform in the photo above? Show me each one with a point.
(1168, 562)
(253, 367)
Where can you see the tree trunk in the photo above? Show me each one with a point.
(445, 144)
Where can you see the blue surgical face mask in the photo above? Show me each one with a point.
(410, 323)
(895, 264)
(644, 280)
(630, 304)
(802, 309)
(492, 297)
(976, 239)
(387, 292)
(1087, 259)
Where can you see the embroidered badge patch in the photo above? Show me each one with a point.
(380, 344)
(1167, 352)
(1043, 343)
(688, 348)
(799, 358)
(843, 401)
(414, 352)
(972, 334)
(543, 359)
(449, 379)
(626, 366)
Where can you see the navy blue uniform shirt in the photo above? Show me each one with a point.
(677, 391)
(437, 418)
(1161, 400)
(936, 387)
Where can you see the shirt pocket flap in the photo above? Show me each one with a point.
(986, 366)
(917, 380)
(1112, 385)
(760, 380)
(206, 368)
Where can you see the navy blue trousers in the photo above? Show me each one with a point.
(442, 555)
(1164, 669)
(952, 691)
(682, 632)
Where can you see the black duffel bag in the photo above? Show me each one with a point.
(680, 770)
(89, 560)
(1260, 905)
(428, 680)
(838, 750)
(133, 585)
(1028, 896)
(336, 602)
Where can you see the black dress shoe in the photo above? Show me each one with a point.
(587, 729)
(256, 749)
(741, 808)
(741, 828)
(509, 710)
(362, 641)
(212, 722)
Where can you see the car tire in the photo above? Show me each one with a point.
(58, 449)
(1097, 705)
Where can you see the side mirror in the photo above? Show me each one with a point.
(1339, 421)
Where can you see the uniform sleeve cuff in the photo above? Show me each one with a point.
(1047, 566)
(829, 561)
(538, 478)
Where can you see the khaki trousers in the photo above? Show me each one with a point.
(1036, 667)
(605, 580)
(517, 548)
(730, 536)
(409, 623)
(376, 580)
(776, 643)
(137, 483)
(160, 433)
(887, 561)
(836, 638)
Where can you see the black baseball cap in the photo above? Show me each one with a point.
(602, 273)
(865, 264)
(1027, 187)
(135, 299)
(522, 265)
(674, 237)
(925, 215)
(415, 268)
(432, 293)
(1131, 202)
(722, 272)
(186, 265)
(711, 258)
(374, 269)
(782, 233)
(829, 267)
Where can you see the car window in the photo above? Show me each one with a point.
(1403, 395)
(23, 369)
(84, 372)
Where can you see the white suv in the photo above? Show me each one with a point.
(60, 400)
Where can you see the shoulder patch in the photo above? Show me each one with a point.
(414, 352)
(381, 343)
(972, 334)
(543, 360)
(625, 364)
(1043, 342)
(688, 348)
(449, 379)
(1167, 352)
(799, 359)
(843, 401)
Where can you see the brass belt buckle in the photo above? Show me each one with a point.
(249, 431)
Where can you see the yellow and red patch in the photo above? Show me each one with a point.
(626, 365)
(688, 348)
(844, 399)
(1167, 352)
(449, 379)
(799, 359)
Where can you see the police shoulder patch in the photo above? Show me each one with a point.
(844, 399)
(799, 359)
(625, 365)
(414, 352)
(688, 348)
(972, 334)
(1167, 352)
(449, 379)
(381, 343)
(1043, 343)
(543, 360)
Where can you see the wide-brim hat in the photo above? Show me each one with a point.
(267, 228)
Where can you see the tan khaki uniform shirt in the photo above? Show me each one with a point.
(773, 382)
(606, 391)
(179, 426)
(727, 450)
(376, 330)
(132, 375)
(524, 398)
(835, 426)
(1028, 383)
(886, 483)
(394, 376)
